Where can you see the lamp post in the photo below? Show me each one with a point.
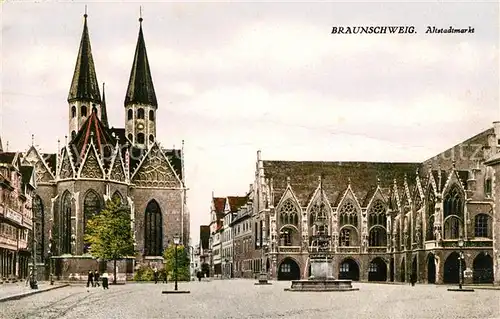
(460, 258)
(176, 243)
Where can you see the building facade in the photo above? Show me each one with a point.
(99, 162)
(243, 241)
(386, 221)
(17, 223)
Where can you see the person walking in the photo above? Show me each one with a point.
(90, 279)
(105, 283)
(96, 278)
(155, 274)
(164, 275)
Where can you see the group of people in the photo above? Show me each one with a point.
(93, 279)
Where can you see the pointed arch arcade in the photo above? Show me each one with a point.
(39, 215)
(153, 237)
(117, 197)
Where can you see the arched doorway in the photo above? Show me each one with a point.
(391, 269)
(403, 271)
(153, 243)
(289, 270)
(377, 271)
(414, 268)
(483, 269)
(431, 269)
(349, 269)
(451, 269)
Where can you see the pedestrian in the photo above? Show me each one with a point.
(96, 278)
(413, 279)
(105, 283)
(155, 274)
(90, 279)
(164, 275)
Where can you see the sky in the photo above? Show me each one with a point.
(234, 78)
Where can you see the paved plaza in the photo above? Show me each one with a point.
(242, 299)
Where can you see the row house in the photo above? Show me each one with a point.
(17, 187)
(243, 242)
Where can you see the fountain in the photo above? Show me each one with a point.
(321, 258)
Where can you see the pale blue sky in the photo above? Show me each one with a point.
(234, 78)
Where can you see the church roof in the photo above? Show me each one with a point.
(93, 129)
(84, 85)
(104, 113)
(140, 87)
(235, 202)
(50, 159)
(361, 176)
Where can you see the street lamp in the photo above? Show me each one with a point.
(176, 243)
(460, 258)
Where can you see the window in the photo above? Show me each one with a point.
(377, 215)
(487, 187)
(154, 230)
(481, 226)
(344, 267)
(130, 114)
(453, 204)
(377, 237)
(289, 214)
(348, 215)
(140, 113)
(452, 227)
(430, 215)
(372, 267)
(83, 110)
(140, 138)
(151, 115)
(73, 111)
(64, 223)
(286, 268)
(151, 138)
(344, 237)
(91, 206)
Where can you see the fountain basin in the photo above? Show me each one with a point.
(322, 285)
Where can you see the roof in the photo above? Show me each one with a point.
(361, 176)
(140, 87)
(7, 157)
(50, 159)
(93, 129)
(235, 202)
(219, 205)
(84, 85)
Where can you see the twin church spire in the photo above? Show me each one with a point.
(84, 95)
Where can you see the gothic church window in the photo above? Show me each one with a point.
(91, 206)
(130, 114)
(83, 110)
(39, 215)
(348, 215)
(65, 223)
(73, 111)
(431, 202)
(288, 214)
(453, 213)
(151, 115)
(153, 245)
(487, 187)
(377, 222)
(140, 113)
(140, 138)
(344, 237)
(482, 226)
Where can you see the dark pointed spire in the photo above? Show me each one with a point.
(104, 114)
(84, 86)
(140, 86)
(1, 147)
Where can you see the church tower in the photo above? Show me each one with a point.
(140, 100)
(84, 96)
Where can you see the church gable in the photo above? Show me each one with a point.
(42, 171)
(155, 171)
(91, 168)
(66, 169)
(117, 172)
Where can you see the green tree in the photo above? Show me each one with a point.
(109, 233)
(183, 272)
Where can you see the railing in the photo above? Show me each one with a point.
(349, 250)
(289, 249)
(378, 250)
(8, 241)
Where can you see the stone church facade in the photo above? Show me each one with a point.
(386, 221)
(98, 162)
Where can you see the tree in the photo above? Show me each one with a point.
(109, 233)
(183, 272)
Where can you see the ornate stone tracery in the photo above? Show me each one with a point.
(91, 167)
(288, 214)
(156, 171)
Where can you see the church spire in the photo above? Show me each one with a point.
(104, 114)
(1, 147)
(140, 87)
(84, 86)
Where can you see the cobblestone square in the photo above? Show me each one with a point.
(242, 299)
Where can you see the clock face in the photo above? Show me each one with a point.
(140, 126)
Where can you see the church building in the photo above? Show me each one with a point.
(98, 162)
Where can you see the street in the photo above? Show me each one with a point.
(242, 299)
